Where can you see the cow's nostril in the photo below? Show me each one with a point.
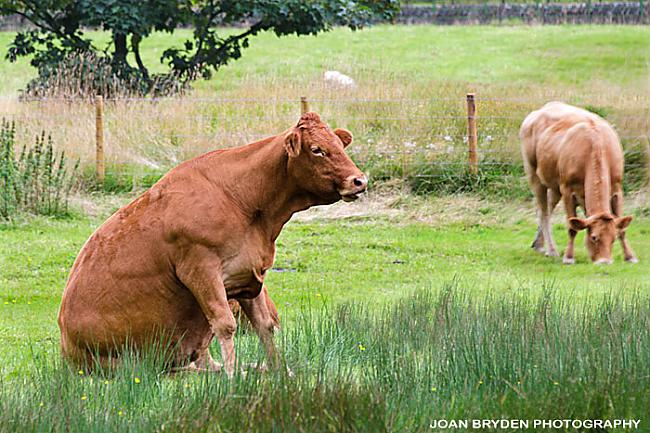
(358, 182)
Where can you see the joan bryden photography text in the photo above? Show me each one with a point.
(538, 424)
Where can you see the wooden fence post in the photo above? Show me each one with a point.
(304, 105)
(472, 134)
(100, 167)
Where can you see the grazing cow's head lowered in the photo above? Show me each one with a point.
(602, 230)
(318, 163)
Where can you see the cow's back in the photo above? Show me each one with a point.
(558, 140)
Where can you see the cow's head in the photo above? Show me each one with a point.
(602, 230)
(318, 163)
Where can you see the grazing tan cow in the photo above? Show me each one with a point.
(205, 233)
(574, 155)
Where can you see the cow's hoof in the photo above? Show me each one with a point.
(538, 249)
(632, 260)
(568, 260)
(552, 254)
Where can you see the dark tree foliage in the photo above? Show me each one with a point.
(58, 29)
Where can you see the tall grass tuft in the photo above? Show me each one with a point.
(362, 367)
(37, 180)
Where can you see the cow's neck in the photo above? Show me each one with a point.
(597, 181)
(255, 178)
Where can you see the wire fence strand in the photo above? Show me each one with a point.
(418, 137)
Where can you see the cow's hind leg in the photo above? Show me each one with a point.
(538, 242)
(544, 222)
(617, 209)
(536, 187)
(204, 362)
(570, 206)
(540, 199)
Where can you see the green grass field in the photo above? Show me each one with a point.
(359, 298)
(426, 308)
(568, 56)
(332, 261)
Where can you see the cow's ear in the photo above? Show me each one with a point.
(292, 143)
(623, 222)
(344, 135)
(578, 224)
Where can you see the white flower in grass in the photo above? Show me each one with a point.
(448, 138)
(409, 144)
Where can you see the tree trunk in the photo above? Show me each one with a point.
(135, 46)
(121, 48)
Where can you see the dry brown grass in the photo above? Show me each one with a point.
(397, 124)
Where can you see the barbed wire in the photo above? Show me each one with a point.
(295, 100)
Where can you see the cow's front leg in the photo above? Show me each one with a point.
(200, 272)
(617, 210)
(570, 207)
(263, 317)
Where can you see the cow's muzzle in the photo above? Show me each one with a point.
(354, 187)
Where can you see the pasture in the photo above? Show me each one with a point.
(464, 321)
(396, 310)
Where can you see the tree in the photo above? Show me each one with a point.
(59, 29)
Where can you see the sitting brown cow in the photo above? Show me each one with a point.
(574, 155)
(169, 261)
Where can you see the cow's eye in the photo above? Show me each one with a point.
(594, 238)
(317, 151)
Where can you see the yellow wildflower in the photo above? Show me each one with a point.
(136, 380)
